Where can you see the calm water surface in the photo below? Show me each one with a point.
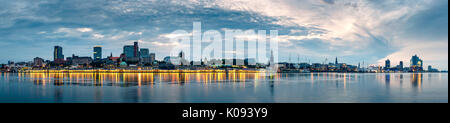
(223, 88)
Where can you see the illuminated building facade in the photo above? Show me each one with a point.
(85, 61)
(400, 66)
(128, 50)
(97, 53)
(145, 56)
(387, 64)
(144, 53)
(58, 56)
(135, 49)
(416, 64)
(38, 62)
(132, 53)
(152, 58)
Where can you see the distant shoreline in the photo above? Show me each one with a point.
(185, 71)
(142, 71)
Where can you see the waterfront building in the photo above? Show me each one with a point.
(58, 56)
(352, 68)
(250, 61)
(111, 59)
(38, 62)
(10, 62)
(22, 64)
(416, 64)
(332, 67)
(131, 53)
(123, 64)
(133, 60)
(214, 62)
(176, 60)
(304, 66)
(316, 67)
(373, 68)
(122, 57)
(77, 61)
(172, 60)
(431, 69)
(144, 53)
(69, 60)
(97, 53)
(400, 66)
(387, 64)
(145, 56)
(152, 58)
(281, 65)
(136, 49)
(128, 50)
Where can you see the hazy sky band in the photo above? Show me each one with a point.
(311, 30)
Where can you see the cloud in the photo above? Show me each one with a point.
(98, 36)
(425, 34)
(171, 44)
(82, 33)
(328, 1)
(84, 29)
(355, 30)
(353, 27)
(433, 53)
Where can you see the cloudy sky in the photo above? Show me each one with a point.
(315, 30)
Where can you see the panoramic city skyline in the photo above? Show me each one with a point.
(314, 30)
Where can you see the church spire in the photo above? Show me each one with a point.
(336, 62)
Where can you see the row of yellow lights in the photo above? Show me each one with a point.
(144, 77)
(141, 71)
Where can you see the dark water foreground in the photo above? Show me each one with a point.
(224, 88)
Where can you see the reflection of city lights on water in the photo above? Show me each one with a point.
(139, 79)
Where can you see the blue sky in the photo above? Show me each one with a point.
(315, 30)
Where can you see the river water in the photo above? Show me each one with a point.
(223, 88)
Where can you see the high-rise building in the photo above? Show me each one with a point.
(387, 64)
(152, 57)
(128, 50)
(131, 51)
(58, 56)
(400, 66)
(145, 56)
(416, 64)
(144, 53)
(97, 53)
(58, 53)
(136, 49)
